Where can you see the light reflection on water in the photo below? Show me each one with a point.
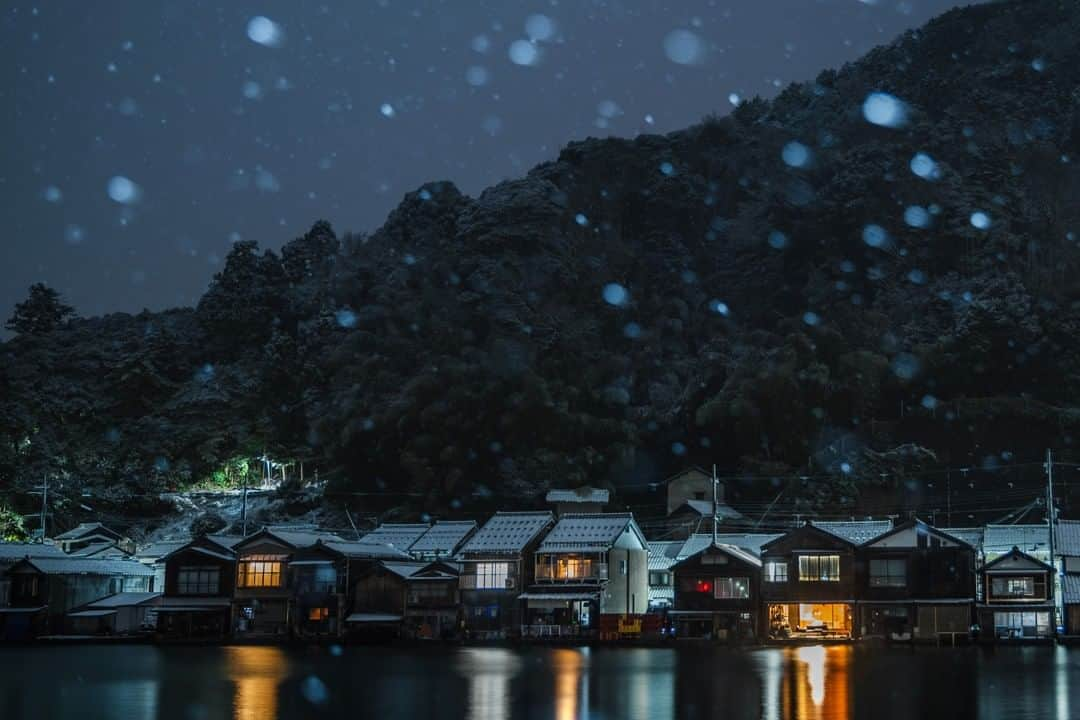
(267, 683)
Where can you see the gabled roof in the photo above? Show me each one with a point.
(100, 549)
(437, 570)
(752, 542)
(88, 566)
(591, 532)
(812, 529)
(915, 522)
(444, 537)
(371, 550)
(400, 535)
(1000, 539)
(736, 552)
(206, 545)
(507, 532)
(291, 538)
(84, 529)
(855, 531)
(17, 551)
(973, 536)
(1067, 537)
(1014, 555)
(226, 541)
(584, 494)
(124, 599)
(704, 508)
(403, 569)
(160, 548)
(664, 553)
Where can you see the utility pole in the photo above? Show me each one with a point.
(715, 482)
(44, 504)
(1050, 526)
(243, 506)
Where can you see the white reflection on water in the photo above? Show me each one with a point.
(1061, 682)
(489, 671)
(770, 666)
(814, 657)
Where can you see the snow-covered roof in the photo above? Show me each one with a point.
(578, 495)
(854, 531)
(1067, 537)
(83, 529)
(704, 508)
(303, 538)
(161, 548)
(124, 599)
(973, 536)
(664, 553)
(1070, 589)
(363, 549)
(1000, 539)
(736, 552)
(90, 566)
(17, 551)
(590, 532)
(105, 548)
(400, 535)
(507, 532)
(443, 538)
(404, 569)
(751, 542)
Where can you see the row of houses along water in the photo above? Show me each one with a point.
(570, 572)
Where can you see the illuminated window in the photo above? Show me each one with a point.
(775, 571)
(196, 580)
(492, 575)
(731, 588)
(890, 572)
(318, 613)
(819, 568)
(1019, 587)
(259, 571)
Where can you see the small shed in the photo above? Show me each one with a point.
(126, 613)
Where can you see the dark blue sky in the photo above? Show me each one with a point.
(360, 102)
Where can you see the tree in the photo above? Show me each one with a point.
(11, 526)
(40, 313)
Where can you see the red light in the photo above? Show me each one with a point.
(704, 586)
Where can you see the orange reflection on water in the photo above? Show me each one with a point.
(568, 669)
(257, 671)
(817, 683)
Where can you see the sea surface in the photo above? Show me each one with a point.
(269, 683)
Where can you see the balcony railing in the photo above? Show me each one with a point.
(587, 573)
(550, 631)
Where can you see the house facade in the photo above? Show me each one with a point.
(1067, 551)
(915, 582)
(1018, 598)
(496, 564)
(717, 595)
(808, 584)
(199, 582)
(587, 566)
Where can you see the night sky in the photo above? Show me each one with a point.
(144, 137)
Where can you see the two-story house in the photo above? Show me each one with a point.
(496, 563)
(199, 582)
(716, 594)
(587, 566)
(808, 584)
(915, 582)
(1018, 599)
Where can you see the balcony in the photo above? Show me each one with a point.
(571, 573)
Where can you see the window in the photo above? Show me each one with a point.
(714, 560)
(622, 567)
(661, 579)
(819, 568)
(492, 575)
(428, 592)
(1024, 586)
(318, 613)
(775, 571)
(194, 580)
(888, 572)
(1021, 624)
(731, 588)
(259, 571)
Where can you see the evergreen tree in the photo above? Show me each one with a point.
(40, 313)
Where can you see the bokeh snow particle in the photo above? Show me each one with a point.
(264, 31)
(718, 307)
(875, 236)
(905, 366)
(615, 294)
(677, 448)
(252, 90)
(917, 216)
(885, 110)
(581, 219)
(481, 43)
(795, 154)
(811, 318)
(980, 220)
(524, 53)
(924, 166)
(314, 690)
(477, 76)
(74, 235)
(778, 240)
(387, 110)
(539, 28)
(667, 168)
(1038, 65)
(684, 47)
(52, 194)
(632, 330)
(123, 190)
(608, 109)
(929, 402)
(345, 318)
(734, 99)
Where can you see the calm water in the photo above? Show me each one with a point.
(265, 683)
